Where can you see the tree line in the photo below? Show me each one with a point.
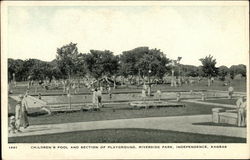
(141, 61)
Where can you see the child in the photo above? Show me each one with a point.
(12, 128)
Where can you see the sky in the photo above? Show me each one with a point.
(190, 32)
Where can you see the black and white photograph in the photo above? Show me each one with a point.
(125, 73)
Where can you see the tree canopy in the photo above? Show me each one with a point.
(208, 66)
(140, 61)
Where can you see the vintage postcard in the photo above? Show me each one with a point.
(125, 79)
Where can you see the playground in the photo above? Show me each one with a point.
(182, 112)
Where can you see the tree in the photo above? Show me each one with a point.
(66, 59)
(190, 70)
(141, 60)
(237, 69)
(223, 72)
(208, 66)
(101, 63)
(129, 59)
(15, 67)
(155, 61)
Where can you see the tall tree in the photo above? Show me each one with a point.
(66, 59)
(223, 72)
(237, 69)
(101, 63)
(15, 67)
(208, 66)
(141, 60)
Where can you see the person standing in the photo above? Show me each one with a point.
(99, 98)
(110, 92)
(94, 98)
(18, 115)
(24, 112)
(143, 94)
(241, 104)
(230, 92)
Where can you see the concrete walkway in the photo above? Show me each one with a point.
(191, 124)
(209, 103)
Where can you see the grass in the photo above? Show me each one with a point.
(223, 101)
(121, 111)
(239, 86)
(126, 136)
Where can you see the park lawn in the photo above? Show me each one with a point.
(223, 101)
(121, 111)
(126, 136)
(239, 86)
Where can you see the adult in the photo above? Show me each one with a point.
(230, 92)
(143, 94)
(241, 106)
(109, 92)
(94, 98)
(18, 115)
(24, 112)
(99, 98)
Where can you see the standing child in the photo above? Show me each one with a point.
(12, 128)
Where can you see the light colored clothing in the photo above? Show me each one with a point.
(99, 98)
(239, 102)
(94, 98)
(230, 89)
(99, 93)
(18, 116)
(18, 111)
(242, 114)
(24, 114)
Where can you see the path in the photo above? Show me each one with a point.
(191, 124)
(210, 103)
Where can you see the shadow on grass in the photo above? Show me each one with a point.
(36, 114)
(214, 124)
(126, 135)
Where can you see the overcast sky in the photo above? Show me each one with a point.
(191, 32)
